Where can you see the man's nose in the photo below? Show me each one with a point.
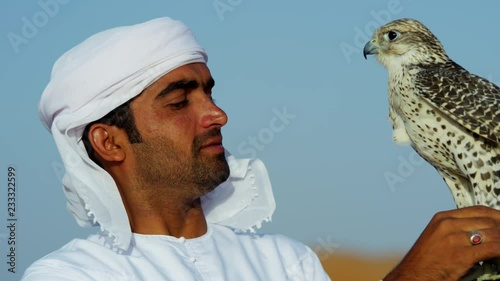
(213, 115)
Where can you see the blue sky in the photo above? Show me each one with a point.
(338, 178)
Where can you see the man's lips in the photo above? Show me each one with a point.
(215, 142)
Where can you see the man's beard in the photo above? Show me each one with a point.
(209, 170)
(160, 164)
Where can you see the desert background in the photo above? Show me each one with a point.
(353, 266)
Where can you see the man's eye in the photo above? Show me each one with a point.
(179, 105)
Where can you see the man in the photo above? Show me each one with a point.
(132, 115)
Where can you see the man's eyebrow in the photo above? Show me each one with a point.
(176, 85)
(209, 85)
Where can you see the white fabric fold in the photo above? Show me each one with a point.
(245, 200)
(100, 74)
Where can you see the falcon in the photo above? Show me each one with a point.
(450, 116)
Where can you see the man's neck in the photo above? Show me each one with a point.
(171, 217)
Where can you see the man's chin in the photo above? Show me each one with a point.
(213, 171)
(217, 160)
(222, 169)
(217, 179)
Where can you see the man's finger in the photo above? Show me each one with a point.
(470, 212)
(489, 235)
(467, 224)
(483, 251)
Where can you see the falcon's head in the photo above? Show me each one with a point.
(405, 42)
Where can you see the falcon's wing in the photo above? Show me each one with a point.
(470, 100)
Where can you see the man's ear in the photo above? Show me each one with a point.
(108, 142)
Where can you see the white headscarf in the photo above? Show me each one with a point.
(100, 74)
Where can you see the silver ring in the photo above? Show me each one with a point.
(475, 238)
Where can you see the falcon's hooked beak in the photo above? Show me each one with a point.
(370, 49)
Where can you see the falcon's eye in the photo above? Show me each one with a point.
(392, 35)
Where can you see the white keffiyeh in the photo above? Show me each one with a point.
(100, 74)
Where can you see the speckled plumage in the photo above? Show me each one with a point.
(450, 116)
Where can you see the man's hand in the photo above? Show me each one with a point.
(444, 252)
